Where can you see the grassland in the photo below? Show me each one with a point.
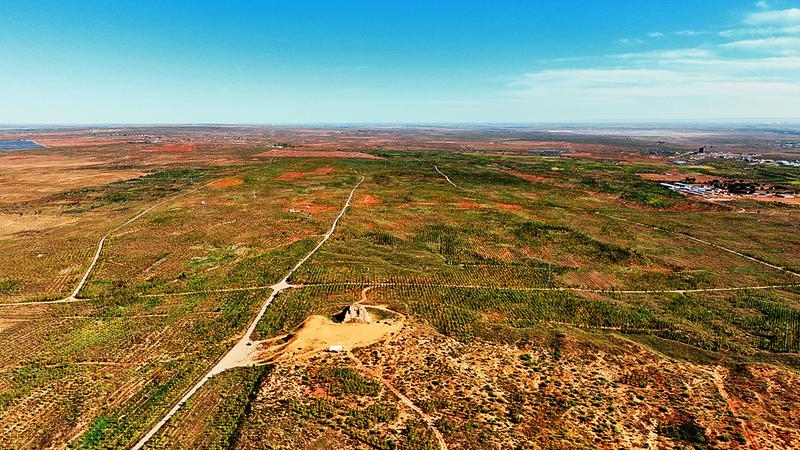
(551, 303)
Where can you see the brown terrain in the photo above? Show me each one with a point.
(192, 227)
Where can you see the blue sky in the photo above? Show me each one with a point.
(413, 61)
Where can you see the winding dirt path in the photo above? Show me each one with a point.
(446, 177)
(718, 377)
(74, 295)
(703, 241)
(405, 401)
(239, 355)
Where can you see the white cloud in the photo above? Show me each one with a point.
(756, 74)
(655, 34)
(789, 16)
(773, 45)
(762, 4)
(678, 53)
(690, 33)
(630, 41)
(760, 31)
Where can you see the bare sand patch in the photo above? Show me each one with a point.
(308, 207)
(318, 333)
(28, 177)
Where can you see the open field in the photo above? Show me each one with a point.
(521, 299)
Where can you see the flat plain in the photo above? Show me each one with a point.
(521, 297)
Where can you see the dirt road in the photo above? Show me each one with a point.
(445, 176)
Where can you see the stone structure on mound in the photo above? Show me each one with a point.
(355, 313)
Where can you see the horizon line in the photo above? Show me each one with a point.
(741, 121)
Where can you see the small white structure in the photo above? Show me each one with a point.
(335, 348)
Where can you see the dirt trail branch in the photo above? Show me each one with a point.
(702, 241)
(446, 177)
(74, 295)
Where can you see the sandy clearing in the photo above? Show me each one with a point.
(309, 207)
(24, 182)
(469, 204)
(318, 333)
(315, 154)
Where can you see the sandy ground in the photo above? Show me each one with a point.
(318, 333)
(28, 177)
(15, 223)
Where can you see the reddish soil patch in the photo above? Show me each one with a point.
(368, 200)
(319, 393)
(309, 207)
(288, 176)
(297, 175)
(316, 154)
(508, 206)
(494, 316)
(788, 201)
(227, 182)
(467, 204)
(525, 176)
